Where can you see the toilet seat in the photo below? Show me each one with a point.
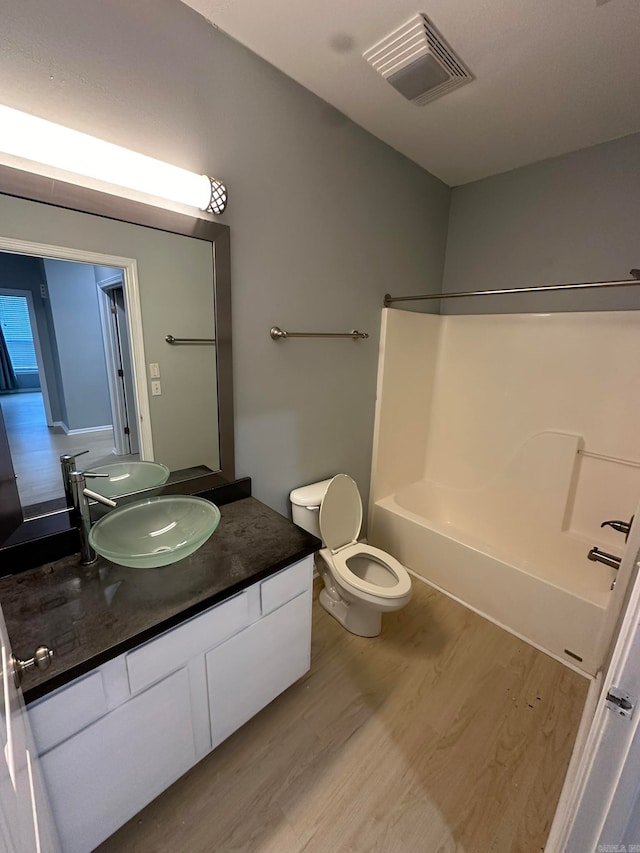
(344, 574)
(340, 521)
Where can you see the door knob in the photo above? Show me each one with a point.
(41, 660)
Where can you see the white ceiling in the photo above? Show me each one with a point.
(551, 75)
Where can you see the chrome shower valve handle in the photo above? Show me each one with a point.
(620, 526)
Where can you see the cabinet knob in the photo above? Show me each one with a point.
(41, 660)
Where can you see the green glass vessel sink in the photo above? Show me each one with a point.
(128, 477)
(154, 532)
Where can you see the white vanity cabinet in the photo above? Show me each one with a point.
(106, 773)
(251, 669)
(115, 738)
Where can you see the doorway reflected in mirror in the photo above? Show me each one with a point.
(67, 381)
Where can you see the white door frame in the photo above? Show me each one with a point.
(16, 291)
(117, 412)
(131, 288)
(597, 795)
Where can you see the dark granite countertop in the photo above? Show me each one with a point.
(89, 615)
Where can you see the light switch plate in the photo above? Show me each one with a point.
(154, 370)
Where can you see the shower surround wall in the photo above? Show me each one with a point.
(483, 481)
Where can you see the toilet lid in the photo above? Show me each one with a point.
(340, 512)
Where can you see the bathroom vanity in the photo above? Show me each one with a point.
(154, 668)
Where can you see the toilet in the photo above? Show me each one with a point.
(360, 582)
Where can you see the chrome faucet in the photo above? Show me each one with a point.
(67, 465)
(598, 556)
(80, 499)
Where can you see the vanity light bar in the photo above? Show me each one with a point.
(42, 141)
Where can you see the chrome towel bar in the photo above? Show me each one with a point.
(582, 285)
(279, 334)
(171, 340)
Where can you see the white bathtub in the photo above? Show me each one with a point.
(537, 582)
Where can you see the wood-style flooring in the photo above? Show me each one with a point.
(36, 449)
(444, 734)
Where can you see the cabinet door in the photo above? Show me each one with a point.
(101, 777)
(248, 671)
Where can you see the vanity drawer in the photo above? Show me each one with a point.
(280, 588)
(164, 654)
(66, 712)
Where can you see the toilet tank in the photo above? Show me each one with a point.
(305, 505)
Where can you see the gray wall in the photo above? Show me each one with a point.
(324, 217)
(572, 218)
(78, 334)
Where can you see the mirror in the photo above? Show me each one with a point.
(90, 287)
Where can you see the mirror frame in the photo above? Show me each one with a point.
(33, 187)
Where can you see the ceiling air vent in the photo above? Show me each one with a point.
(418, 62)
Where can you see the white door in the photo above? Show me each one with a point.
(118, 363)
(600, 806)
(125, 373)
(26, 825)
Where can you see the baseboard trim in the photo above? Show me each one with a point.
(84, 431)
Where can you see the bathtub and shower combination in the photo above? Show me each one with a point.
(485, 482)
(534, 581)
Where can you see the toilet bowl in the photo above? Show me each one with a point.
(360, 582)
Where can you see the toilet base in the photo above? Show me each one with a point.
(359, 619)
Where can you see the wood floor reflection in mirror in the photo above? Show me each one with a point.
(36, 448)
(445, 733)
